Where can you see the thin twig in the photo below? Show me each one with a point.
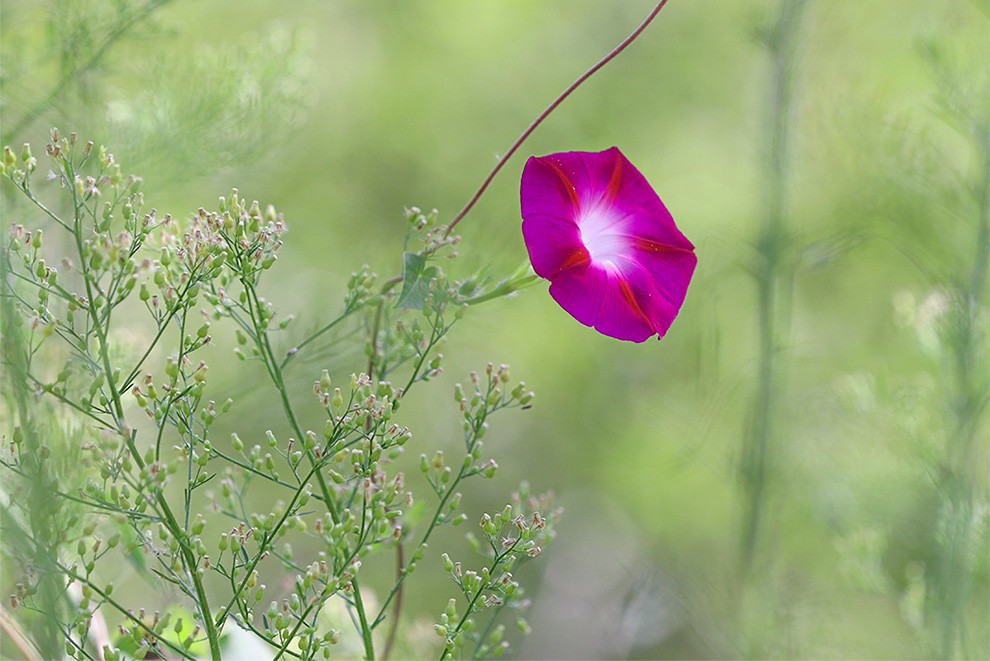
(543, 115)
(393, 629)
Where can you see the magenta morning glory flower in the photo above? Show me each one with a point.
(595, 228)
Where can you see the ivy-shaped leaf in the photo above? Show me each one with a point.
(416, 276)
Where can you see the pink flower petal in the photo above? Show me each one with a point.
(626, 313)
(556, 245)
(595, 228)
(580, 290)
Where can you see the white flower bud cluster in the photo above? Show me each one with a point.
(434, 236)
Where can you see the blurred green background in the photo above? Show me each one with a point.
(343, 113)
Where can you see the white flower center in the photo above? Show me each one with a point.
(598, 228)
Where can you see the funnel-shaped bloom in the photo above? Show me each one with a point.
(600, 234)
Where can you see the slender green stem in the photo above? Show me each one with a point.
(265, 541)
(292, 634)
(275, 372)
(126, 613)
(504, 288)
(248, 468)
(773, 276)
(434, 521)
(40, 205)
(188, 557)
(162, 325)
(438, 516)
(189, 561)
(376, 327)
(369, 645)
(30, 378)
(474, 600)
(467, 613)
(295, 350)
(484, 632)
(952, 573)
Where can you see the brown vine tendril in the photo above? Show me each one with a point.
(549, 109)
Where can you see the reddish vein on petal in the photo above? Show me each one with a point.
(568, 185)
(630, 297)
(579, 257)
(615, 180)
(649, 245)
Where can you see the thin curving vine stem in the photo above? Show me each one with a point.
(549, 109)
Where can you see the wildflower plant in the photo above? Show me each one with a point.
(155, 487)
(115, 464)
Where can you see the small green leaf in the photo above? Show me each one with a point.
(416, 276)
